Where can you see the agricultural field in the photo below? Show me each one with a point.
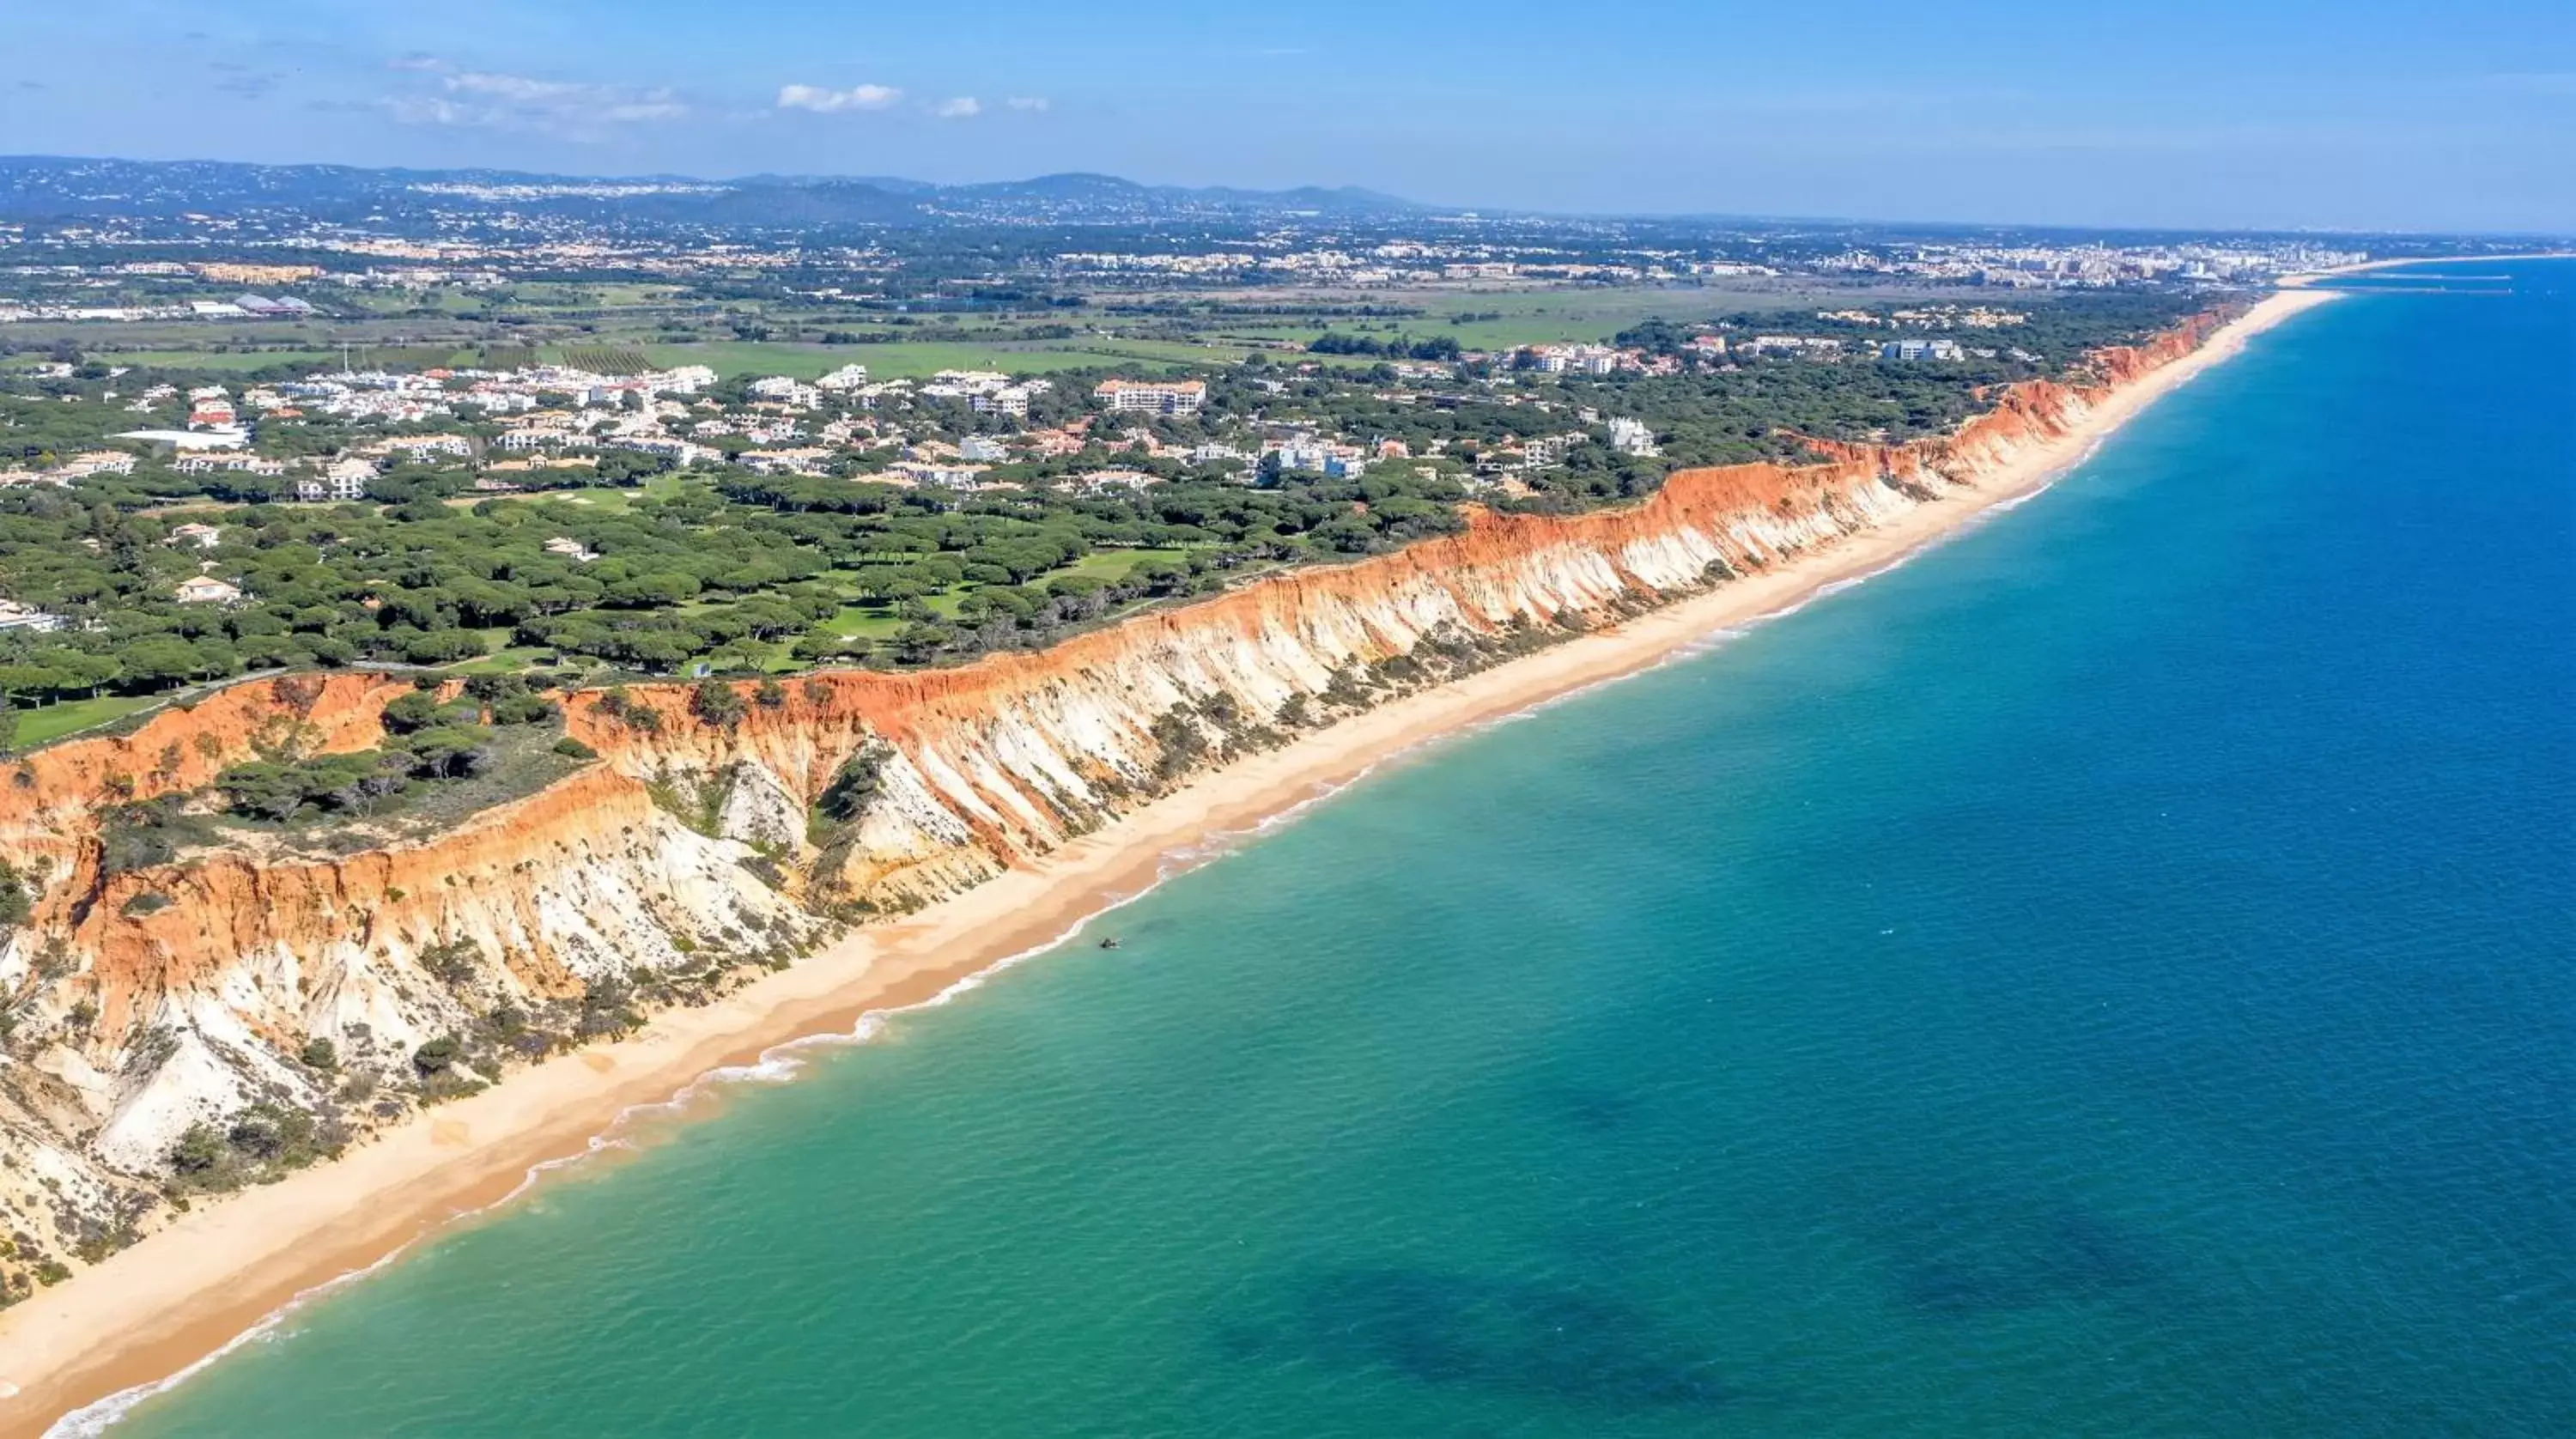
(608, 359)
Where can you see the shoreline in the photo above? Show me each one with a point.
(2307, 280)
(148, 1315)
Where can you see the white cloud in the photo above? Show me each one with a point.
(964, 107)
(635, 111)
(1029, 102)
(491, 100)
(824, 100)
(523, 89)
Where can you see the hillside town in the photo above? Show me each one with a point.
(552, 426)
(327, 269)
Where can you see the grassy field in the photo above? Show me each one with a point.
(904, 360)
(399, 357)
(1212, 351)
(1509, 318)
(217, 360)
(409, 302)
(52, 722)
(1500, 320)
(1217, 351)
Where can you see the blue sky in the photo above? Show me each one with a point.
(2188, 113)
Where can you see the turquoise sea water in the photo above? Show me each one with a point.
(2110, 976)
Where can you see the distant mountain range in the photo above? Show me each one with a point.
(56, 188)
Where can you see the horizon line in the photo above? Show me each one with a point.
(1427, 209)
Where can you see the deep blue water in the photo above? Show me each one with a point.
(2110, 976)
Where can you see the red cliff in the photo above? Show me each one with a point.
(196, 982)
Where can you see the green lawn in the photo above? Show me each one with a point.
(604, 499)
(499, 657)
(610, 501)
(1117, 564)
(863, 621)
(52, 722)
(501, 661)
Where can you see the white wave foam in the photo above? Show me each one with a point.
(92, 1420)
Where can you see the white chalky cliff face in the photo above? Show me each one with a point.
(148, 1000)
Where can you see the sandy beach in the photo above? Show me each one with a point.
(2301, 282)
(187, 1291)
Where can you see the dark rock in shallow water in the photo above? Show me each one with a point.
(1458, 1330)
(1587, 1108)
(1976, 1254)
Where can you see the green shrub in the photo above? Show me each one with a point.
(437, 1056)
(855, 784)
(453, 962)
(16, 905)
(717, 703)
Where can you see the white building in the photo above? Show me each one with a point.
(680, 452)
(98, 462)
(1814, 347)
(1098, 480)
(15, 616)
(207, 590)
(946, 477)
(241, 464)
(225, 439)
(1149, 397)
(1011, 400)
(1301, 455)
(342, 480)
(1631, 437)
(422, 447)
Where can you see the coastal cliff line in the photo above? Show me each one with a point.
(305, 998)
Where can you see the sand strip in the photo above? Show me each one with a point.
(185, 1292)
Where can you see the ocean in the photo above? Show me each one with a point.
(2107, 976)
